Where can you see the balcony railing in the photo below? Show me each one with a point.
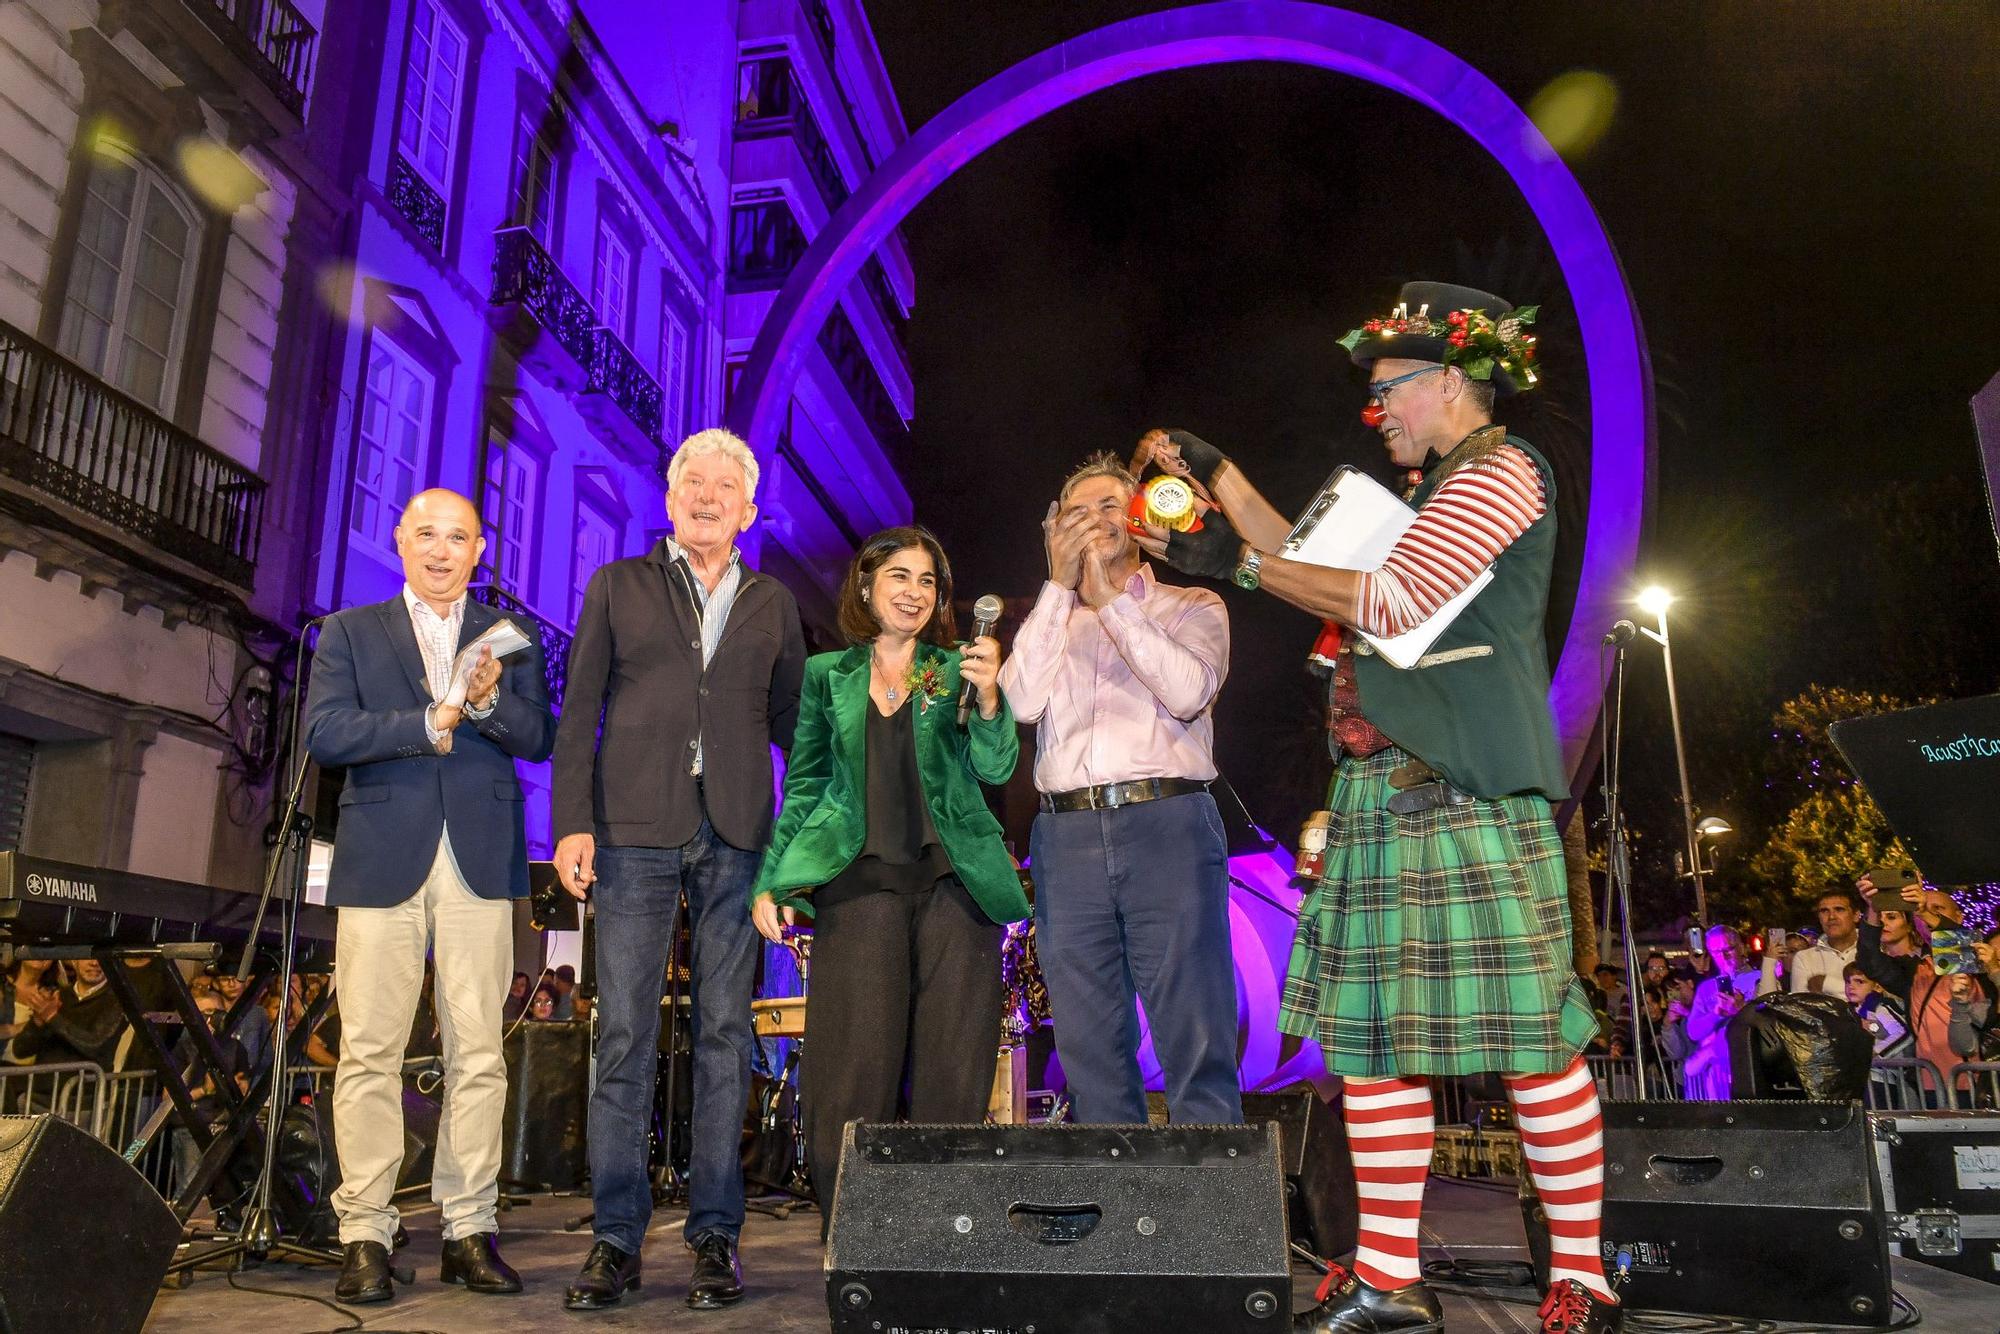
(525, 274)
(770, 102)
(850, 362)
(617, 374)
(527, 278)
(555, 643)
(876, 283)
(821, 19)
(270, 36)
(417, 200)
(76, 439)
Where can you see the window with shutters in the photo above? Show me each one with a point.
(394, 440)
(534, 185)
(611, 279)
(596, 546)
(676, 383)
(125, 312)
(433, 87)
(17, 769)
(509, 504)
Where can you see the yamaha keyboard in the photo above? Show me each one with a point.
(46, 902)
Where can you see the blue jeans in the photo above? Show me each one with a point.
(1134, 902)
(634, 898)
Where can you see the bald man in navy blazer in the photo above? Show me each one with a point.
(429, 853)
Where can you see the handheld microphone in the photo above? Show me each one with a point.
(1622, 634)
(985, 615)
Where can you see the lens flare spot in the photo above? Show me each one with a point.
(223, 180)
(1574, 110)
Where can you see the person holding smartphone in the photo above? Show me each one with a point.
(1734, 982)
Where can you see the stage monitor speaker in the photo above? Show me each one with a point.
(548, 1106)
(84, 1240)
(1756, 1210)
(1079, 1229)
(1312, 1151)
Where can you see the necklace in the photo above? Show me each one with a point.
(890, 691)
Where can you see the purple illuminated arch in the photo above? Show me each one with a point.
(1299, 33)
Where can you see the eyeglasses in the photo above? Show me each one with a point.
(1378, 390)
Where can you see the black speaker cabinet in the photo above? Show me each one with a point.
(548, 1106)
(1758, 1210)
(84, 1241)
(1062, 1229)
(1312, 1150)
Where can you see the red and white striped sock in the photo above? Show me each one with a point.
(1562, 1139)
(1390, 1129)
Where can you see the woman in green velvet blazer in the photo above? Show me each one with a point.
(885, 840)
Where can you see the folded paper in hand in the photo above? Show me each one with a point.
(502, 637)
(1353, 524)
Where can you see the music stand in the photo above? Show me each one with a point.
(1933, 771)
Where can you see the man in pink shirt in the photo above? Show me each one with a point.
(1131, 868)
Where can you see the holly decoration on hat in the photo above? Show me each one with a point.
(1474, 341)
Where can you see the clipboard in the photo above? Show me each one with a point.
(1353, 524)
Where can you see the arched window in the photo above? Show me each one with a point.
(125, 313)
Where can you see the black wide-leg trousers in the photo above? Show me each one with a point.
(898, 981)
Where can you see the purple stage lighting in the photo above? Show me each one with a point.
(1305, 34)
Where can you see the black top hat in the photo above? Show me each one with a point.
(1429, 316)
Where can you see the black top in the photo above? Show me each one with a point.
(902, 853)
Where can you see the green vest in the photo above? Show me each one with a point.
(1482, 722)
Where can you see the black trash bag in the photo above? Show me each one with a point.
(1799, 1045)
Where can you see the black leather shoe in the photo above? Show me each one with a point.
(718, 1274)
(607, 1275)
(1571, 1308)
(364, 1274)
(475, 1261)
(1349, 1306)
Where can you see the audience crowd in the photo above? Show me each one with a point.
(1872, 945)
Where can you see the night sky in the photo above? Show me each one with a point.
(1805, 201)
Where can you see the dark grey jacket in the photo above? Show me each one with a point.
(635, 666)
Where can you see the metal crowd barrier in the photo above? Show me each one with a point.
(73, 1092)
(1981, 1090)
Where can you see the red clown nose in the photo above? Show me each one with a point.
(1374, 415)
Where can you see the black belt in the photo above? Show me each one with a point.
(1110, 796)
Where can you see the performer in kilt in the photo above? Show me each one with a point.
(1437, 941)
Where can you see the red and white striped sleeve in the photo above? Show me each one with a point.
(1475, 514)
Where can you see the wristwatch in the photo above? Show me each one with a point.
(1250, 570)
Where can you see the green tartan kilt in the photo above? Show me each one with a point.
(1436, 943)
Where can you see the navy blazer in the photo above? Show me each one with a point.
(365, 713)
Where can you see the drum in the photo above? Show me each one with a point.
(779, 1016)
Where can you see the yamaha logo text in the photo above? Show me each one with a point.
(55, 887)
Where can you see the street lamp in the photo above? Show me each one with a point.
(1711, 828)
(1654, 601)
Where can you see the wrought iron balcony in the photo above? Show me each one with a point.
(75, 439)
(540, 309)
(526, 277)
(417, 200)
(555, 643)
(270, 36)
(617, 375)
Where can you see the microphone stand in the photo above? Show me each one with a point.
(259, 1235)
(1618, 859)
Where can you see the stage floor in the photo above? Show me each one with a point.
(781, 1264)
